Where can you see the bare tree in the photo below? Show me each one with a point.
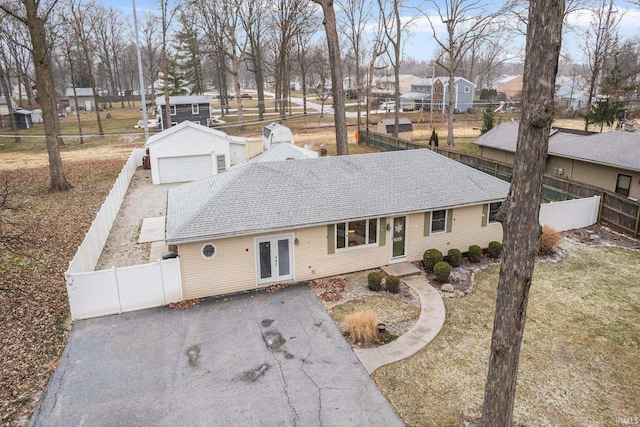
(67, 43)
(333, 44)
(5, 78)
(519, 214)
(599, 42)
(465, 21)
(166, 16)
(34, 15)
(151, 55)
(378, 49)
(253, 16)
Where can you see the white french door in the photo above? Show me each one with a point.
(274, 259)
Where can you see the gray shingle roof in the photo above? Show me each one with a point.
(185, 99)
(620, 149)
(283, 151)
(272, 196)
(80, 91)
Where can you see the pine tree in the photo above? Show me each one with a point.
(488, 120)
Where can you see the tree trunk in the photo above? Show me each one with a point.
(6, 88)
(333, 45)
(519, 213)
(46, 94)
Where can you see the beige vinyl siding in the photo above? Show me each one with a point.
(559, 162)
(497, 155)
(233, 268)
(604, 176)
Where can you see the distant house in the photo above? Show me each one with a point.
(85, 98)
(422, 90)
(570, 94)
(385, 85)
(189, 151)
(609, 160)
(511, 86)
(405, 127)
(194, 108)
(294, 220)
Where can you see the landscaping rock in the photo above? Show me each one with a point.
(447, 287)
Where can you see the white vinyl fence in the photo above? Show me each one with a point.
(570, 214)
(117, 290)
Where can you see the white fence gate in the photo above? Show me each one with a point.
(570, 214)
(117, 290)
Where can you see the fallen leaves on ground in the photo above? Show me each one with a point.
(183, 305)
(34, 307)
(274, 288)
(331, 290)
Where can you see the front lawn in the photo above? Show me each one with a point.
(580, 360)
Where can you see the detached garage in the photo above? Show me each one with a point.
(188, 152)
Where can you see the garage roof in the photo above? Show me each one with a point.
(620, 149)
(185, 99)
(187, 124)
(273, 196)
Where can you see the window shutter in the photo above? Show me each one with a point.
(485, 215)
(427, 223)
(331, 238)
(383, 231)
(449, 220)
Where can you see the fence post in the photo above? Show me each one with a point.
(164, 298)
(600, 207)
(637, 224)
(115, 279)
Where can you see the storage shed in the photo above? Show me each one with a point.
(275, 133)
(405, 130)
(187, 152)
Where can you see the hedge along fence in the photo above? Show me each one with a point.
(618, 212)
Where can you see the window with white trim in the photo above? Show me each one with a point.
(195, 109)
(350, 234)
(173, 110)
(467, 89)
(438, 221)
(623, 184)
(493, 210)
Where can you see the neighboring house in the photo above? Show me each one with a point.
(4, 109)
(194, 108)
(464, 92)
(418, 97)
(280, 152)
(293, 220)
(23, 118)
(511, 86)
(609, 160)
(385, 85)
(275, 133)
(569, 92)
(85, 98)
(189, 151)
(405, 128)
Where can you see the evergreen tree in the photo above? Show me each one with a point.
(605, 112)
(189, 53)
(488, 120)
(434, 138)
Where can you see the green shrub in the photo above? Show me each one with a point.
(375, 279)
(454, 257)
(494, 250)
(475, 253)
(393, 284)
(442, 270)
(431, 257)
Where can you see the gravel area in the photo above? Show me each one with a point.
(143, 200)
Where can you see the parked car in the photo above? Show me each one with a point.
(387, 106)
(246, 96)
(229, 96)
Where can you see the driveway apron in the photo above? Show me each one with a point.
(256, 359)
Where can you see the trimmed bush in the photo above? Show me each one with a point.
(495, 249)
(362, 326)
(393, 284)
(375, 281)
(431, 257)
(442, 271)
(475, 253)
(549, 240)
(454, 257)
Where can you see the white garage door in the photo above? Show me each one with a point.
(181, 169)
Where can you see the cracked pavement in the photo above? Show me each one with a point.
(253, 359)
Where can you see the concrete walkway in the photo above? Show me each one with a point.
(431, 319)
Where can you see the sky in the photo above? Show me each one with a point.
(419, 39)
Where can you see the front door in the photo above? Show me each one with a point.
(274, 259)
(398, 239)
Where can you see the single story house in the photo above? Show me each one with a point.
(294, 220)
(85, 98)
(511, 86)
(405, 127)
(386, 85)
(189, 151)
(609, 160)
(275, 133)
(194, 108)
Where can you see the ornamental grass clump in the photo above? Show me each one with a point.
(549, 240)
(362, 326)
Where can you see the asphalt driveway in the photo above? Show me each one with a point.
(255, 359)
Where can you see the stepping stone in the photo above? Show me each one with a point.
(152, 230)
(402, 269)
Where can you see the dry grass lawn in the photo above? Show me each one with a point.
(580, 360)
